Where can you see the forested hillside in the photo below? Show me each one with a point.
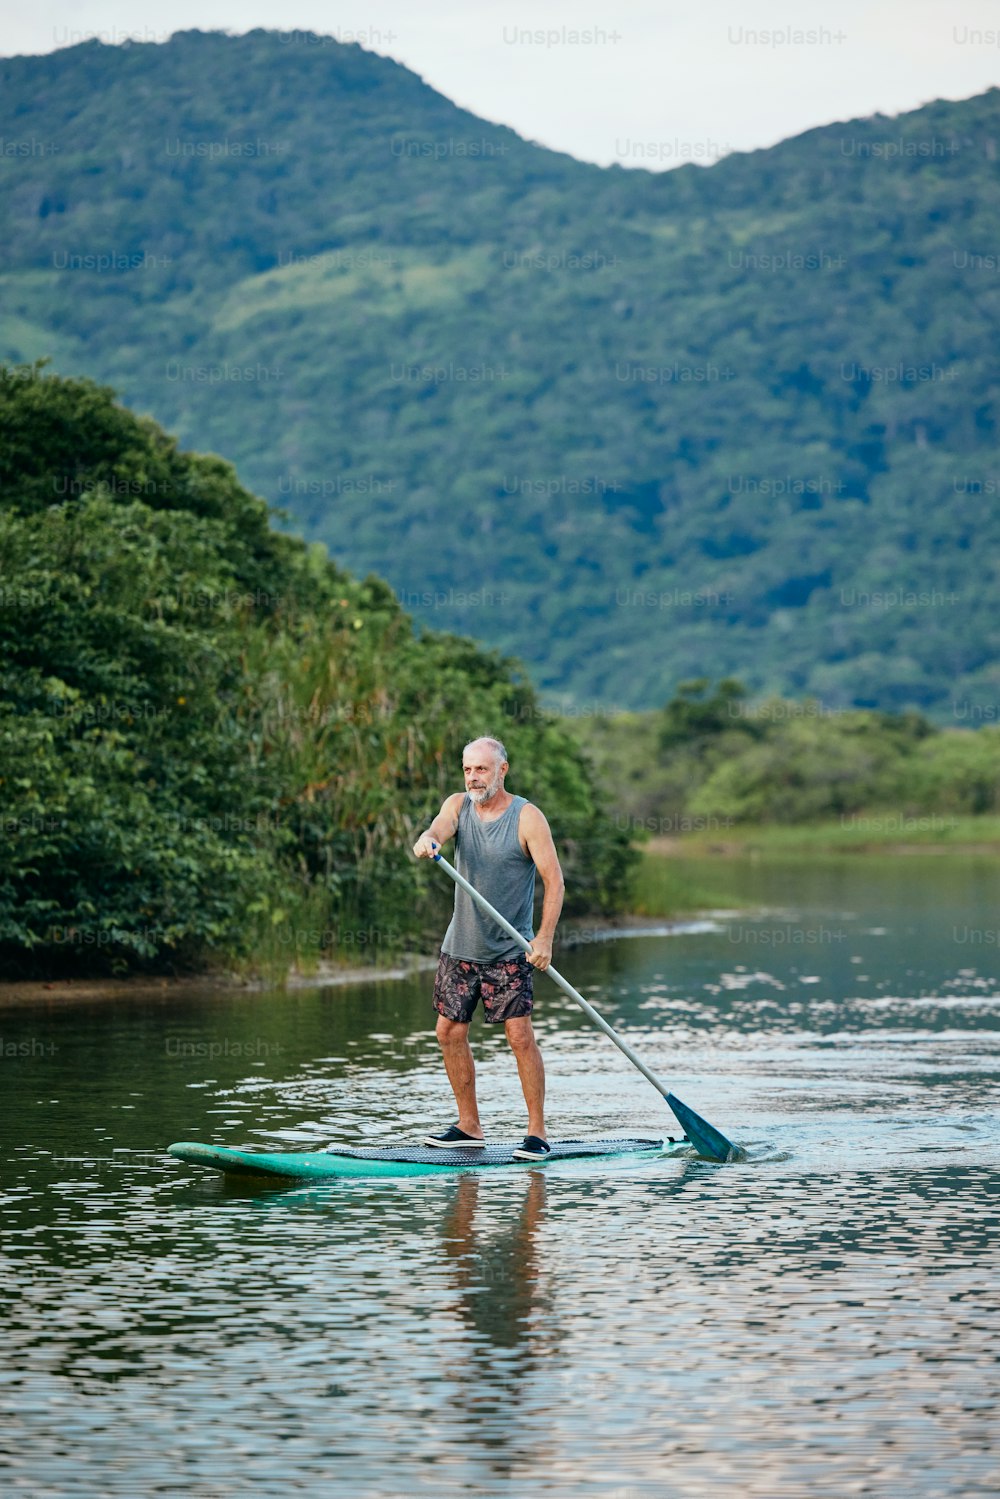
(711, 760)
(635, 428)
(214, 744)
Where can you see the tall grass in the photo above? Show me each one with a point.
(667, 886)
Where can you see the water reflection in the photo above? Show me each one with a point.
(498, 1285)
(494, 1265)
(821, 1320)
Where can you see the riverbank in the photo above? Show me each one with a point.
(704, 870)
(327, 974)
(146, 986)
(881, 833)
(680, 880)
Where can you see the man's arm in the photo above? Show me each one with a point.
(538, 843)
(444, 826)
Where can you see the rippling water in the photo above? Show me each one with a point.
(820, 1320)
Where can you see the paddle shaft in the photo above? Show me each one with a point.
(556, 976)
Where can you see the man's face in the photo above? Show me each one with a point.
(483, 773)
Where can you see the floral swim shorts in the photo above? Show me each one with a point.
(504, 987)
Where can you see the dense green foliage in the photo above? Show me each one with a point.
(712, 760)
(213, 742)
(635, 427)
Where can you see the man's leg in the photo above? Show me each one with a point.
(530, 1069)
(453, 1036)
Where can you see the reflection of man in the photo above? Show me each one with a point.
(501, 1260)
(500, 840)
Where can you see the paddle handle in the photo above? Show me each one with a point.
(555, 975)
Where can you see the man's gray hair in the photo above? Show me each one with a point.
(496, 745)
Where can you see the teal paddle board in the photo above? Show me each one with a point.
(309, 1165)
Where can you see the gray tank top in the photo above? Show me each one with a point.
(490, 857)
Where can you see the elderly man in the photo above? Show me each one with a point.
(500, 840)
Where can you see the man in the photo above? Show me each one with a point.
(500, 840)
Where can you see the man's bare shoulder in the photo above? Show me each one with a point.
(532, 825)
(532, 817)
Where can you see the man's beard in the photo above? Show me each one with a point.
(487, 794)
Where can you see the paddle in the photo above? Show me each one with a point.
(708, 1140)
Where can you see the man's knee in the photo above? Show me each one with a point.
(451, 1032)
(520, 1035)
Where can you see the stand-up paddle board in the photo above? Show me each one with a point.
(308, 1165)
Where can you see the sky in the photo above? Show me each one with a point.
(648, 83)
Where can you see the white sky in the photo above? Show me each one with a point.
(683, 77)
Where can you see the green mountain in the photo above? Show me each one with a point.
(634, 427)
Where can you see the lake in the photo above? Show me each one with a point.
(819, 1320)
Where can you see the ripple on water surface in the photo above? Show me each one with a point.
(820, 1320)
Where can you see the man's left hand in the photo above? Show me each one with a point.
(540, 955)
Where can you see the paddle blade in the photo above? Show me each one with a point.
(706, 1139)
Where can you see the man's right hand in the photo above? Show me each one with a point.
(425, 847)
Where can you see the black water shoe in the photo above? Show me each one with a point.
(532, 1148)
(454, 1138)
